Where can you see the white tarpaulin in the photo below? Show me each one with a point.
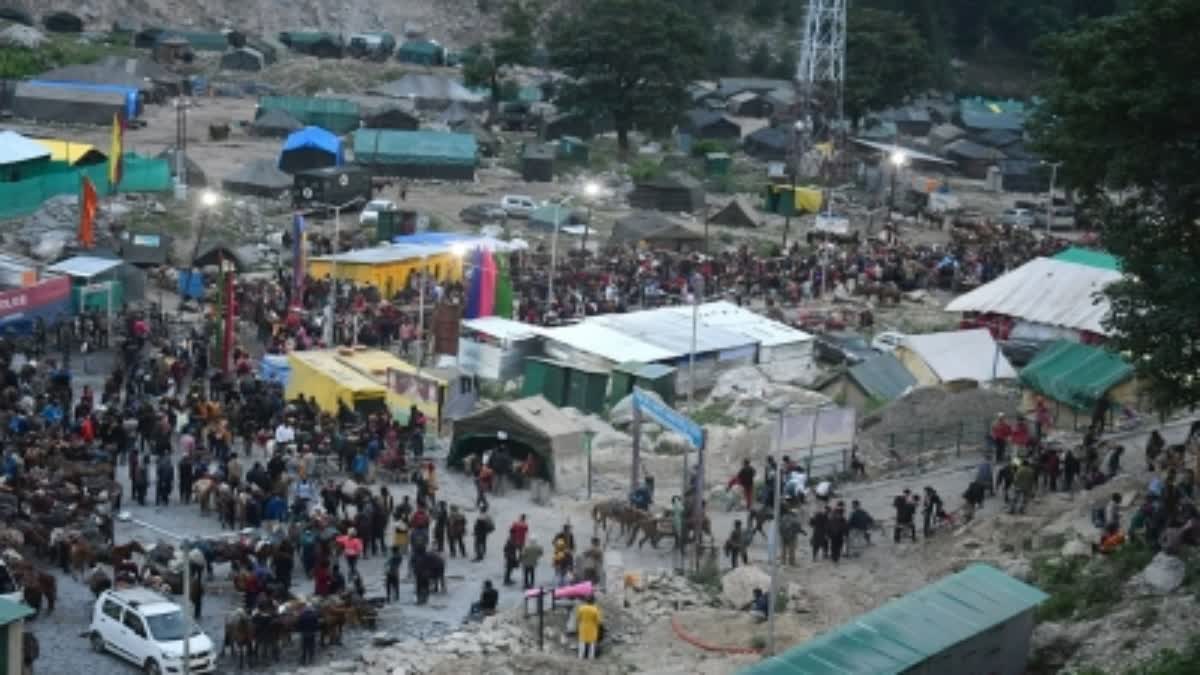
(832, 224)
(825, 452)
(956, 355)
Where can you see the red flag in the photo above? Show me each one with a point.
(89, 202)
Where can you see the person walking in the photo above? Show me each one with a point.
(391, 577)
(1024, 483)
(735, 545)
(530, 555)
(745, 479)
(483, 527)
(587, 620)
(934, 510)
(820, 533)
(790, 529)
(352, 549)
(511, 559)
(456, 529)
(838, 528)
(905, 511)
(440, 523)
(307, 625)
(519, 531)
(197, 595)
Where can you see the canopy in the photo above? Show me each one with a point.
(954, 355)
(73, 153)
(532, 424)
(260, 178)
(1075, 374)
(15, 148)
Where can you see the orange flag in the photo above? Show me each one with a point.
(89, 202)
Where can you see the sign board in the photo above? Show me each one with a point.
(413, 386)
(832, 224)
(668, 417)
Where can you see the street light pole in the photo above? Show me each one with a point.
(554, 252)
(1050, 195)
(898, 159)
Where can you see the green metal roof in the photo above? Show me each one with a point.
(909, 630)
(12, 611)
(1075, 374)
(1090, 257)
(382, 146)
(883, 377)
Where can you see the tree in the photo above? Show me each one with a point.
(784, 66)
(628, 59)
(722, 57)
(483, 65)
(885, 61)
(760, 60)
(1119, 111)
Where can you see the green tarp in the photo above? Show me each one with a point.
(333, 114)
(381, 146)
(424, 52)
(1091, 258)
(1075, 374)
(140, 175)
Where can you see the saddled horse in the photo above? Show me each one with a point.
(239, 635)
(619, 511)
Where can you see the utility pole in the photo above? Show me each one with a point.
(1050, 195)
(773, 544)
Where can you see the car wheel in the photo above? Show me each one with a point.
(98, 643)
(152, 668)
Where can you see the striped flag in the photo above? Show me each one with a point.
(297, 259)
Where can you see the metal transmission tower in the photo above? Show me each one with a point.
(821, 72)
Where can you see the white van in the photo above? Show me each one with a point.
(517, 206)
(146, 629)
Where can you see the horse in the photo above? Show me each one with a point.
(82, 556)
(617, 510)
(98, 581)
(39, 586)
(239, 635)
(653, 529)
(123, 552)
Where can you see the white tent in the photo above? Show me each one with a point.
(1045, 291)
(934, 358)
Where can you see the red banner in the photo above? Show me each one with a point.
(50, 292)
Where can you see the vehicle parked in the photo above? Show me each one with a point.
(839, 348)
(148, 630)
(1017, 218)
(887, 341)
(370, 213)
(482, 214)
(518, 206)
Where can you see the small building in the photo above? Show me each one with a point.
(537, 163)
(371, 46)
(244, 59)
(1023, 175)
(717, 163)
(953, 356)
(732, 86)
(864, 386)
(494, 348)
(979, 115)
(979, 620)
(999, 139)
(259, 178)
(676, 193)
(442, 395)
(275, 123)
(326, 187)
(97, 283)
(654, 230)
(574, 149)
(422, 52)
(767, 143)
(1077, 376)
(145, 249)
(739, 212)
(973, 159)
(563, 384)
(310, 148)
(417, 154)
(749, 104)
(12, 642)
(21, 157)
(707, 125)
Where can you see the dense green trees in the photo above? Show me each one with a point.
(483, 64)
(886, 60)
(1119, 111)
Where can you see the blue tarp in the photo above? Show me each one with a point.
(314, 137)
(275, 368)
(132, 109)
(191, 284)
(434, 238)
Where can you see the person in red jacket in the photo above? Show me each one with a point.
(1001, 433)
(1020, 435)
(519, 530)
(744, 478)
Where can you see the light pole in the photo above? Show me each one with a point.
(1050, 194)
(591, 190)
(774, 537)
(327, 330)
(899, 160)
(554, 251)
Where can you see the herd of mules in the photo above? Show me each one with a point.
(633, 521)
(261, 642)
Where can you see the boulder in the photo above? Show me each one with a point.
(737, 586)
(22, 36)
(1076, 548)
(1163, 575)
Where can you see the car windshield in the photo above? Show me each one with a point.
(168, 627)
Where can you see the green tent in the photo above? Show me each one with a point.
(1075, 374)
(531, 424)
(1090, 257)
(332, 114)
(417, 154)
(424, 52)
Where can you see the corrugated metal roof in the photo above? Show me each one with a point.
(505, 329)
(751, 325)
(1046, 291)
(606, 342)
(83, 266)
(961, 355)
(16, 148)
(671, 330)
(883, 377)
(905, 632)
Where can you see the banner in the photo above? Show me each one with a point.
(835, 428)
(668, 417)
(412, 386)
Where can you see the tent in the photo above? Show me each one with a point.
(20, 157)
(934, 358)
(245, 58)
(310, 148)
(417, 154)
(424, 52)
(276, 123)
(259, 178)
(72, 103)
(62, 22)
(1076, 374)
(192, 171)
(737, 213)
(656, 230)
(532, 424)
(75, 154)
(335, 114)
(429, 91)
(675, 193)
(455, 113)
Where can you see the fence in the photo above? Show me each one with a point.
(139, 174)
(927, 448)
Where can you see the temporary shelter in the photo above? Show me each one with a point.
(314, 43)
(537, 163)
(247, 59)
(374, 46)
(318, 375)
(709, 125)
(95, 282)
(259, 178)
(980, 620)
(310, 148)
(739, 212)
(676, 193)
(1048, 298)
(276, 122)
(442, 396)
(934, 358)
(493, 348)
(424, 52)
(72, 103)
(337, 115)
(877, 380)
(767, 143)
(428, 91)
(655, 230)
(21, 157)
(73, 153)
(777, 342)
(1078, 375)
(192, 172)
(532, 425)
(417, 154)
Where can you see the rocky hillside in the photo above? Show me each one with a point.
(457, 22)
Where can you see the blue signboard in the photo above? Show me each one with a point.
(668, 417)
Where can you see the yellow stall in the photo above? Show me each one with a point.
(440, 394)
(321, 376)
(388, 267)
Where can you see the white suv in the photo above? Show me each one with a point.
(518, 206)
(147, 629)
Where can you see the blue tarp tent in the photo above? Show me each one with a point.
(191, 284)
(310, 148)
(275, 368)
